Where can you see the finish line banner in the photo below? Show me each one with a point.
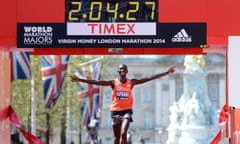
(111, 24)
(124, 35)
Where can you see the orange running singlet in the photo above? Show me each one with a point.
(122, 98)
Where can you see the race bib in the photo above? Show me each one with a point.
(122, 95)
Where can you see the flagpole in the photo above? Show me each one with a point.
(33, 108)
(92, 61)
(68, 131)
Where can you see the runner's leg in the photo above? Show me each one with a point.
(117, 132)
(125, 126)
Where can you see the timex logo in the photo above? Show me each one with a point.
(112, 28)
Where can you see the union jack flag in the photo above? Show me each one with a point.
(91, 111)
(53, 73)
(92, 71)
(20, 65)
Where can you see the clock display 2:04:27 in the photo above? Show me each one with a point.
(128, 11)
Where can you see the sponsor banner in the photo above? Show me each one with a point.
(92, 29)
(111, 35)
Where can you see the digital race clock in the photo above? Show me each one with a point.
(111, 17)
(111, 11)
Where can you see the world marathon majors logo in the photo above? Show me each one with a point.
(38, 35)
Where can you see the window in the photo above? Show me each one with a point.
(213, 82)
(165, 87)
(179, 93)
(108, 94)
(213, 93)
(148, 120)
(179, 86)
(147, 94)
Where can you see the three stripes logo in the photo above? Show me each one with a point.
(182, 36)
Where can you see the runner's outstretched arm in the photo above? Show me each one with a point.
(143, 80)
(75, 78)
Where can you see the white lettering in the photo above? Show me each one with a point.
(40, 29)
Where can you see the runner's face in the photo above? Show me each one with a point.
(122, 70)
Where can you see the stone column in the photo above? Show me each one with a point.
(5, 83)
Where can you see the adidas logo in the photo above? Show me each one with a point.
(182, 36)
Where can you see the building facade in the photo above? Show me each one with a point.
(153, 99)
